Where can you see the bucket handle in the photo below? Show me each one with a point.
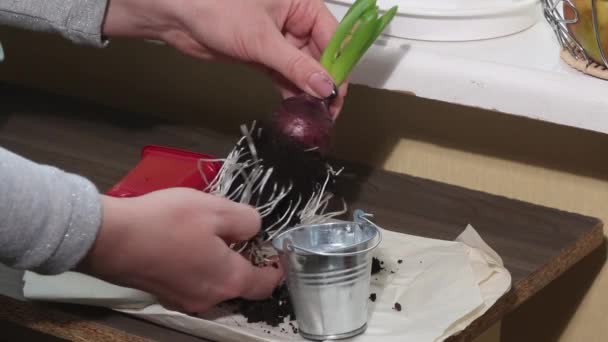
(359, 216)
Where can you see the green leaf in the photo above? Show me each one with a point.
(384, 21)
(367, 29)
(356, 32)
(356, 3)
(342, 31)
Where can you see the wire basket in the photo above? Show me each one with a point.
(585, 55)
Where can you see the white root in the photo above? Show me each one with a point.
(245, 165)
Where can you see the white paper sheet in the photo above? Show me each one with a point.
(442, 287)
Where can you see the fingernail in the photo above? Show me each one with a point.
(334, 93)
(322, 84)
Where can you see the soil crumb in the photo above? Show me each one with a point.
(376, 265)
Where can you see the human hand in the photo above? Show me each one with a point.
(173, 244)
(284, 37)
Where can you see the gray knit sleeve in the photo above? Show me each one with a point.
(77, 20)
(49, 218)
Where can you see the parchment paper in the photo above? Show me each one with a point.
(442, 287)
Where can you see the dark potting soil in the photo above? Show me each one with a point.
(377, 265)
(272, 311)
(304, 171)
(278, 307)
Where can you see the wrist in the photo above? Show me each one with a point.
(103, 260)
(148, 19)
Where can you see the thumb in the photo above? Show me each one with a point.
(296, 66)
(262, 281)
(256, 283)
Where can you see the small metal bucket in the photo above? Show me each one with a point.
(328, 271)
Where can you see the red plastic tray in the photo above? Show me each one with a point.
(164, 167)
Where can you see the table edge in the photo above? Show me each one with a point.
(34, 316)
(537, 281)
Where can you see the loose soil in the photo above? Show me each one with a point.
(377, 265)
(272, 311)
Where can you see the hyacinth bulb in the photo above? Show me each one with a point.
(306, 121)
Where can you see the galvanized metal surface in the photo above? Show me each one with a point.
(328, 269)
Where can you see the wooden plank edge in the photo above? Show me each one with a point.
(60, 324)
(538, 280)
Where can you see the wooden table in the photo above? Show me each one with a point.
(537, 244)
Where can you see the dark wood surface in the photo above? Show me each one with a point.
(536, 243)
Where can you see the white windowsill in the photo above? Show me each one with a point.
(521, 74)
